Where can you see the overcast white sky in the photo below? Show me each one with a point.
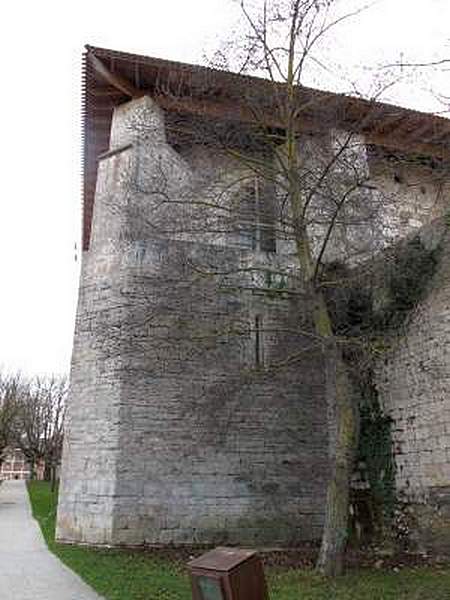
(41, 45)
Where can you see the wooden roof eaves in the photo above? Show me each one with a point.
(349, 111)
(218, 95)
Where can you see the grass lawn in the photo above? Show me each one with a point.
(131, 575)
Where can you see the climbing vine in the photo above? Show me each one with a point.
(409, 274)
(375, 456)
(359, 315)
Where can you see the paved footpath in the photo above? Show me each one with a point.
(28, 571)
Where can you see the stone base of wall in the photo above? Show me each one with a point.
(414, 388)
(430, 523)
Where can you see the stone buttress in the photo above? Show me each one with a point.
(176, 430)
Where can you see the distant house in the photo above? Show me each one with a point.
(16, 466)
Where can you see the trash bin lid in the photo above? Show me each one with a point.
(222, 559)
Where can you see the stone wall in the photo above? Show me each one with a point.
(196, 411)
(197, 407)
(414, 387)
(415, 190)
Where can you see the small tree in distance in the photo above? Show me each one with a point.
(9, 387)
(32, 419)
(39, 422)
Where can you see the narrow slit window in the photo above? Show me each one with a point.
(265, 217)
(259, 342)
(256, 217)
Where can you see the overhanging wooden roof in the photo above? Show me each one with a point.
(111, 78)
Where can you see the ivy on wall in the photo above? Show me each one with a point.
(409, 274)
(375, 457)
(369, 310)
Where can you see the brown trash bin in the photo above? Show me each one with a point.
(228, 574)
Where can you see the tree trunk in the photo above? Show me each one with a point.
(341, 412)
(47, 471)
(343, 426)
(54, 479)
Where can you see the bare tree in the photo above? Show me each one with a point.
(323, 203)
(9, 386)
(281, 39)
(39, 422)
(327, 207)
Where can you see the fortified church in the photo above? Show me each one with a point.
(197, 408)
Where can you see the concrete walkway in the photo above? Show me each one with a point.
(28, 571)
